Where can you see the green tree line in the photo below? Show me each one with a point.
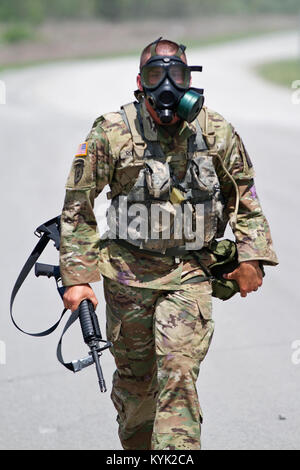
(36, 11)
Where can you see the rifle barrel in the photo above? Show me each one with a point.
(99, 370)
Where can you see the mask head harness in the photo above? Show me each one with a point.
(166, 83)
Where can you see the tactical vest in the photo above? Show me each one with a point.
(150, 208)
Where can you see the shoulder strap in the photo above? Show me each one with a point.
(202, 119)
(207, 131)
(210, 138)
(196, 142)
(132, 122)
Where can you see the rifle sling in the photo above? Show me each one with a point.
(73, 317)
(33, 257)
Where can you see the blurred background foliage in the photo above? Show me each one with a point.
(35, 31)
(37, 11)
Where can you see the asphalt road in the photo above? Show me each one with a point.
(249, 385)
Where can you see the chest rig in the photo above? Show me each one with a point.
(151, 208)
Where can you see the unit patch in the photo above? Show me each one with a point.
(78, 170)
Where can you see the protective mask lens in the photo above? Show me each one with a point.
(180, 75)
(152, 76)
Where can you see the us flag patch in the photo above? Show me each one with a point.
(82, 150)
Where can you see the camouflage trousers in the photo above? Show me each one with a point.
(159, 340)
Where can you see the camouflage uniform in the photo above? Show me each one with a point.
(158, 319)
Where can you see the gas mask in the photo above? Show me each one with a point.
(166, 84)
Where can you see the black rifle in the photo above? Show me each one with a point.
(85, 312)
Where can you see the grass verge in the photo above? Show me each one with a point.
(17, 33)
(283, 72)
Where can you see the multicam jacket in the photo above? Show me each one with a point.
(108, 147)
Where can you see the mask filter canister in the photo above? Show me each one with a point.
(190, 105)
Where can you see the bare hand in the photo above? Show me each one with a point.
(75, 294)
(248, 275)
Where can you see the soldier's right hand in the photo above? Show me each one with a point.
(74, 295)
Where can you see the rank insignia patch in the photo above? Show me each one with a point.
(82, 150)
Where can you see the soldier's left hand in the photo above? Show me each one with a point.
(248, 275)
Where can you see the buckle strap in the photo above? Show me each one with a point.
(197, 279)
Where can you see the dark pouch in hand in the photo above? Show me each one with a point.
(225, 252)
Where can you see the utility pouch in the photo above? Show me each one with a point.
(158, 178)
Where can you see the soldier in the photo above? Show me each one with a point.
(164, 155)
